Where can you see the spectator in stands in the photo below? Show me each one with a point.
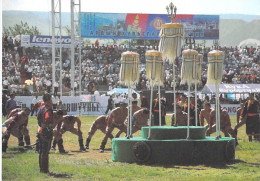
(101, 65)
(10, 104)
(48, 84)
(56, 87)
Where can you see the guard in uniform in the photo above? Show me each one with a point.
(16, 125)
(101, 124)
(45, 132)
(109, 104)
(155, 110)
(116, 120)
(240, 120)
(68, 125)
(181, 117)
(251, 116)
(183, 101)
(239, 112)
(192, 111)
(144, 101)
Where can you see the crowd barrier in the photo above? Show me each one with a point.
(94, 105)
(82, 105)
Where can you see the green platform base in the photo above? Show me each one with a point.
(173, 151)
(170, 132)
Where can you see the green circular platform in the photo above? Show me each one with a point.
(177, 151)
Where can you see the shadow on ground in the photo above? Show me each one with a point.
(59, 175)
(205, 165)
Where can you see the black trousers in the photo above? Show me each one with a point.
(252, 125)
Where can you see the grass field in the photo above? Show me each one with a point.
(92, 165)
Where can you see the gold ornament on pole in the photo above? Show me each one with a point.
(170, 43)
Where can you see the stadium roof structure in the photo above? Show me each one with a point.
(232, 88)
(121, 91)
(249, 42)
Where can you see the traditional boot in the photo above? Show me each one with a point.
(40, 163)
(37, 146)
(250, 138)
(102, 146)
(4, 146)
(45, 163)
(236, 142)
(20, 141)
(87, 143)
(5, 139)
(27, 141)
(235, 131)
(257, 138)
(60, 146)
(81, 145)
(54, 145)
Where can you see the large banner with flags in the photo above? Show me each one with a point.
(145, 26)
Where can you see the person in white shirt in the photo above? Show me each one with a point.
(55, 100)
(56, 86)
(110, 87)
(75, 86)
(5, 83)
(96, 93)
(48, 84)
(116, 100)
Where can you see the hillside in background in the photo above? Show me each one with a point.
(233, 31)
(233, 28)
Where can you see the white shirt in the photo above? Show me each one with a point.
(5, 82)
(116, 100)
(48, 83)
(96, 93)
(29, 69)
(55, 100)
(75, 85)
(55, 84)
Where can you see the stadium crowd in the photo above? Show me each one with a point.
(101, 66)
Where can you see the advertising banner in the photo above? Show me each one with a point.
(145, 26)
(230, 108)
(232, 88)
(93, 105)
(74, 105)
(45, 41)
